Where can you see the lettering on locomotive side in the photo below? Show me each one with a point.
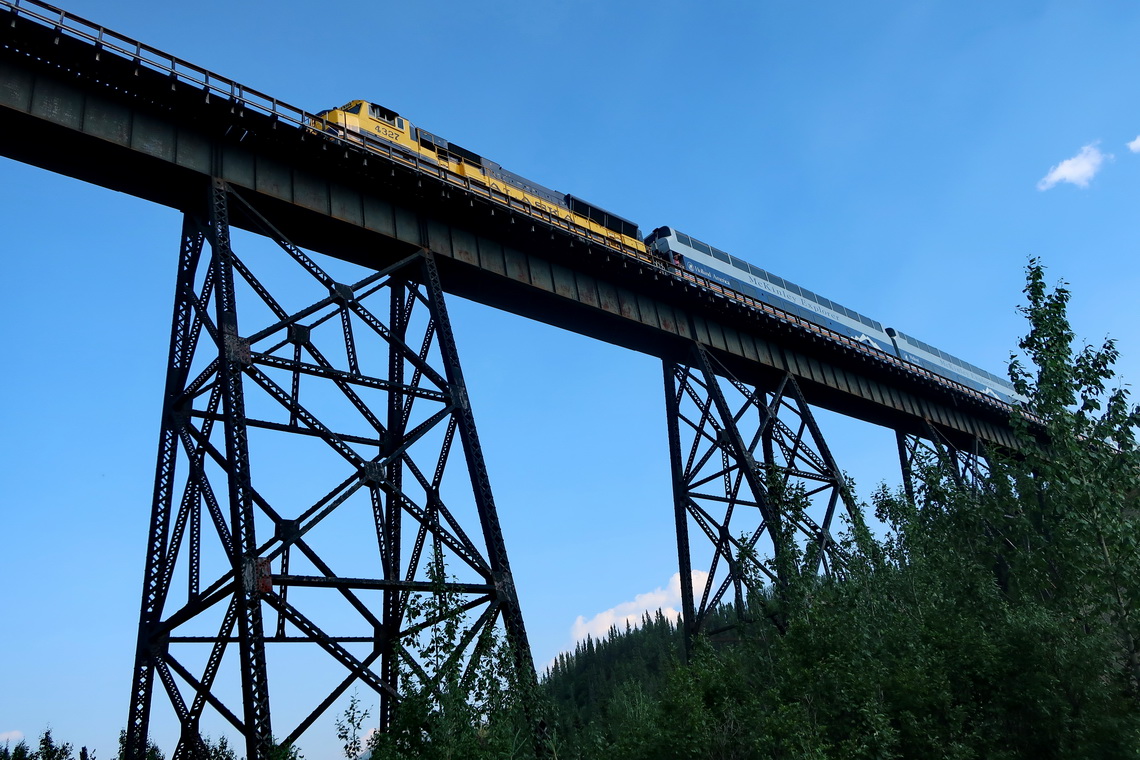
(387, 133)
(520, 195)
(561, 213)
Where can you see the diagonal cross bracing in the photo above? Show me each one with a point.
(753, 475)
(968, 466)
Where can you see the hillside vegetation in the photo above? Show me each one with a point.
(994, 620)
(997, 621)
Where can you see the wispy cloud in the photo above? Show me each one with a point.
(666, 598)
(11, 737)
(1134, 146)
(1078, 170)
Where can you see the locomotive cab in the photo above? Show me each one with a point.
(367, 119)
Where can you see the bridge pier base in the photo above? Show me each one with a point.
(752, 472)
(320, 482)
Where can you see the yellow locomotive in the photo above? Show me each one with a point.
(385, 131)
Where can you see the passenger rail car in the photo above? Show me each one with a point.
(381, 129)
(714, 264)
(703, 260)
(371, 124)
(917, 352)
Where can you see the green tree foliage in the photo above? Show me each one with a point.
(579, 682)
(350, 728)
(49, 750)
(459, 701)
(218, 750)
(46, 749)
(282, 752)
(991, 620)
(152, 750)
(20, 752)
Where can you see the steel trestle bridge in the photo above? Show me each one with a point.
(362, 386)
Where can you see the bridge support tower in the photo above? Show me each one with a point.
(320, 494)
(753, 474)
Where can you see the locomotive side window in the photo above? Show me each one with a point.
(383, 114)
(352, 108)
(462, 153)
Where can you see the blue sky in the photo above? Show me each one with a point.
(902, 159)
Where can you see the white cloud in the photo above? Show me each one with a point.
(666, 598)
(1134, 146)
(1077, 170)
(11, 737)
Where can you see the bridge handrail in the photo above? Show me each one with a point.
(65, 22)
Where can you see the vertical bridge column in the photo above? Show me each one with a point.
(309, 492)
(752, 473)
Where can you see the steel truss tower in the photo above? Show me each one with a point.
(319, 482)
(752, 473)
(968, 467)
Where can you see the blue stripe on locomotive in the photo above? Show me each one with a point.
(818, 317)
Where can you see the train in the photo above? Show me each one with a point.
(382, 129)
